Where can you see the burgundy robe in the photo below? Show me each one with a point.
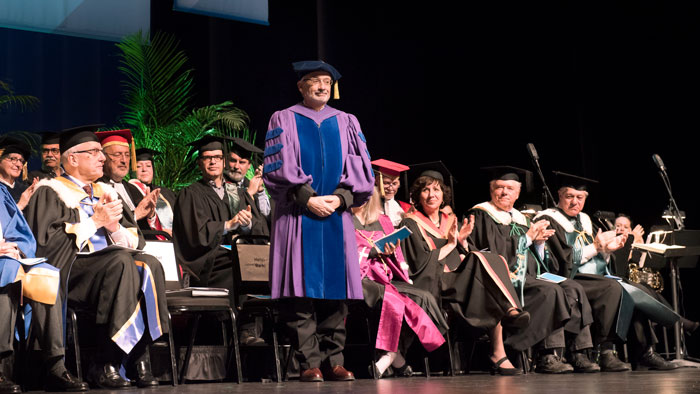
(395, 306)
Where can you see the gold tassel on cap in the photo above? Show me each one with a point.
(336, 92)
(24, 172)
(133, 155)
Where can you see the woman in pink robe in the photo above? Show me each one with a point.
(386, 285)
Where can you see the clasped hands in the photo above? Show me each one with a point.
(539, 232)
(108, 211)
(323, 206)
(609, 241)
(147, 206)
(243, 218)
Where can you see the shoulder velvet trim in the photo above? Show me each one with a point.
(274, 166)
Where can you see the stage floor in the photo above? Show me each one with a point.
(685, 380)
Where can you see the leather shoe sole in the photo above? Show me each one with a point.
(311, 375)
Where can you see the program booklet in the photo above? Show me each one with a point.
(393, 238)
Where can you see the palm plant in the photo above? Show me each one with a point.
(8, 99)
(23, 102)
(157, 92)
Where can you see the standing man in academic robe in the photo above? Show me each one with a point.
(204, 220)
(575, 252)
(387, 178)
(125, 289)
(316, 167)
(30, 288)
(250, 192)
(558, 310)
(50, 158)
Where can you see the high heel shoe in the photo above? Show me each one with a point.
(404, 371)
(496, 367)
(518, 320)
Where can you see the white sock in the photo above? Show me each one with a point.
(384, 361)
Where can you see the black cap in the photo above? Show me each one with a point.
(50, 138)
(242, 147)
(78, 135)
(209, 142)
(145, 154)
(13, 145)
(508, 173)
(574, 181)
(433, 169)
(308, 66)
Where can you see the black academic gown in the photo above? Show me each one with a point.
(604, 294)
(479, 292)
(41, 174)
(198, 231)
(545, 301)
(109, 283)
(19, 188)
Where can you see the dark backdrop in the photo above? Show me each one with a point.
(597, 86)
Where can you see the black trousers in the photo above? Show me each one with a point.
(316, 329)
(46, 331)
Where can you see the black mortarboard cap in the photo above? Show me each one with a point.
(509, 173)
(145, 154)
(13, 145)
(50, 138)
(78, 135)
(574, 181)
(242, 147)
(308, 66)
(209, 142)
(433, 169)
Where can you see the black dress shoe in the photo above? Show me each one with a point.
(7, 386)
(144, 376)
(107, 377)
(65, 382)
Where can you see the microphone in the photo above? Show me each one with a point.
(659, 163)
(533, 151)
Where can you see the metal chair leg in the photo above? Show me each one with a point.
(234, 345)
(73, 319)
(188, 353)
(172, 349)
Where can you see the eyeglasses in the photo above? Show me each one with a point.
(316, 81)
(53, 151)
(212, 158)
(93, 152)
(14, 159)
(118, 155)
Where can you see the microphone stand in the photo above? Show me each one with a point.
(546, 193)
(673, 265)
(672, 202)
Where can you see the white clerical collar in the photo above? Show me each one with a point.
(12, 186)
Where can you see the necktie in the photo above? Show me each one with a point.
(99, 239)
(233, 198)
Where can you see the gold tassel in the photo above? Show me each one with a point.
(336, 92)
(24, 172)
(133, 155)
(381, 184)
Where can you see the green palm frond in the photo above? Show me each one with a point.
(8, 98)
(157, 87)
(157, 91)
